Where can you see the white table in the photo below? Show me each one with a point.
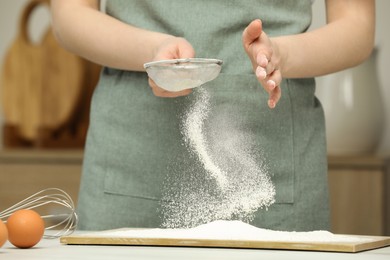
(52, 249)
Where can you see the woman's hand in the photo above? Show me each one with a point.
(265, 58)
(172, 48)
(114, 43)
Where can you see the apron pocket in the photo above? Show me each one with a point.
(140, 133)
(115, 184)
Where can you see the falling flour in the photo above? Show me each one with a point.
(230, 179)
(237, 230)
(193, 131)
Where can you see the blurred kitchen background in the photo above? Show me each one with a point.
(356, 104)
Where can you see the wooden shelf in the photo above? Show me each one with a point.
(25, 172)
(359, 195)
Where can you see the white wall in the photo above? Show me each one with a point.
(383, 62)
(10, 13)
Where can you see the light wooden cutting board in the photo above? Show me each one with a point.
(107, 238)
(41, 84)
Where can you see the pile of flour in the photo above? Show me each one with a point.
(237, 230)
(232, 181)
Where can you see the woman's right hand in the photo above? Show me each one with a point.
(113, 43)
(171, 48)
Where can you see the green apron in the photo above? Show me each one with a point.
(135, 152)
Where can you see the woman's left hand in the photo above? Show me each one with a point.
(265, 58)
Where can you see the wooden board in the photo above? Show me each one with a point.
(106, 238)
(41, 84)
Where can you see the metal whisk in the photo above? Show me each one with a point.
(64, 223)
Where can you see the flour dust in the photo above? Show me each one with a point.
(223, 177)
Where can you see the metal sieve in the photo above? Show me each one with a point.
(179, 74)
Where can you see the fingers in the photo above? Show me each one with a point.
(262, 59)
(270, 82)
(274, 97)
(160, 92)
(251, 33)
(265, 60)
(269, 75)
(274, 92)
(186, 50)
(272, 86)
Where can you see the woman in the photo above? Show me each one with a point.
(142, 168)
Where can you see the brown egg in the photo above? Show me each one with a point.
(25, 228)
(3, 233)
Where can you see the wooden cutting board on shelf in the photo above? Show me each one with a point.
(41, 83)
